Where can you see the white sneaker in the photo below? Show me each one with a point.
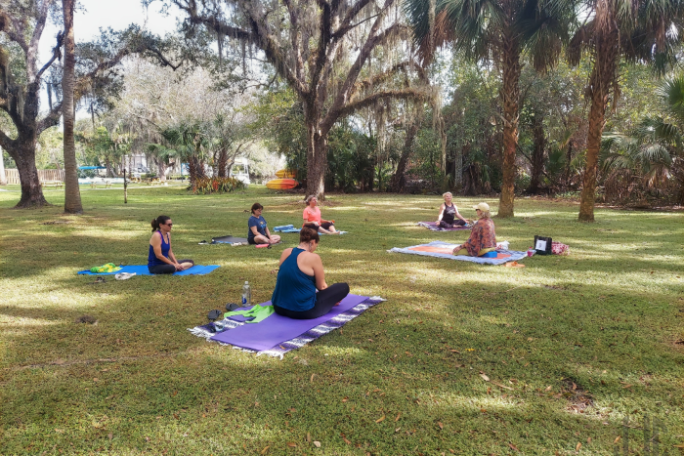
(124, 275)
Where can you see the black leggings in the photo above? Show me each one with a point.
(457, 222)
(325, 301)
(324, 225)
(166, 268)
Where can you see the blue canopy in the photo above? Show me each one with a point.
(92, 167)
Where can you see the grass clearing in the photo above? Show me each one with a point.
(571, 345)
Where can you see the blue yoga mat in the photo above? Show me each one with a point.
(142, 270)
(514, 254)
(276, 329)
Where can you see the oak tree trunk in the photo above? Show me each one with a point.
(398, 181)
(72, 194)
(316, 168)
(510, 98)
(31, 189)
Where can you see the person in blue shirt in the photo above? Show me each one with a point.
(258, 228)
(301, 291)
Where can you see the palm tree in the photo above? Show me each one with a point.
(639, 31)
(72, 193)
(500, 31)
(653, 152)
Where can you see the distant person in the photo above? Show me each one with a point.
(258, 228)
(482, 238)
(161, 259)
(448, 214)
(312, 218)
(300, 275)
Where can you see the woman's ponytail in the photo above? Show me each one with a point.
(161, 220)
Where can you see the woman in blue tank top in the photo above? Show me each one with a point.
(300, 275)
(160, 259)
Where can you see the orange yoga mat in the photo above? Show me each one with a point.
(448, 251)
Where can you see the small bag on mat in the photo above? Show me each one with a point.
(543, 245)
(558, 248)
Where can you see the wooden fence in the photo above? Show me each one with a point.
(45, 175)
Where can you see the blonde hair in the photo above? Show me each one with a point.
(447, 193)
(485, 214)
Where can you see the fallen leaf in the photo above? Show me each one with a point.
(441, 426)
(312, 377)
(292, 444)
(381, 419)
(397, 418)
(96, 379)
(345, 399)
(530, 339)
(588, 440)
(617, 439)
(484, 377)
(308, 437)
(317, 444)
(513, 447)
(548, 388)
(627, 386)
(346, 441)
(502, 386)
(579, 445)
(59, 431)
(265, 450)
(110, 436)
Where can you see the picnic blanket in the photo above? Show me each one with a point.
(439, 249)
(277, 335)
(432, 226)
(142, 270)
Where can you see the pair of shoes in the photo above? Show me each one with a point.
(231, 306)
(124, 275)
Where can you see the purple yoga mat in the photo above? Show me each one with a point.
(277, 329)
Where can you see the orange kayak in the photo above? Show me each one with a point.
(285, 174)
(282, 184)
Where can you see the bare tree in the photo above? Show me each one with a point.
(323, 51)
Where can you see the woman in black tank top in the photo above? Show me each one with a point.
(448, 214)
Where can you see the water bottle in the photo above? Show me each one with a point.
(246, 295)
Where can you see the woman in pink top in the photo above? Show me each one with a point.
(312, 218)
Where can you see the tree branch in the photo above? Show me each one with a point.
(56, 54)
(345, 26)
(32, 53)
(51, 119)
(404, 94)
(6, 142)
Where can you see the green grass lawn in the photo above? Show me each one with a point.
(572, 346)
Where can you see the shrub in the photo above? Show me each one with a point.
(209, 185)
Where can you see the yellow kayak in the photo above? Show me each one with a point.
(281, 184)
(285, 174)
